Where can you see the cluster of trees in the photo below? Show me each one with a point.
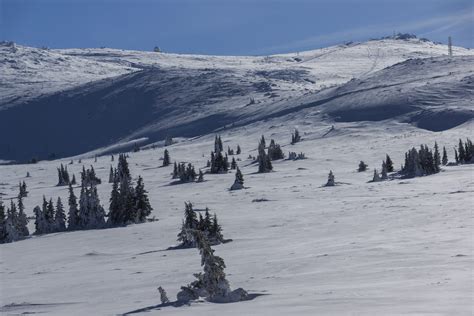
(274, 151)
(206, 224)
(128, 204)
(211, 284)
(421, 162)
(63, 176)
(294, 156)
(465, 152)
(219, 163)
(186, 173)
(295, 137)
(88, 177)
(231, 152)
(13, 224)
(50, 219)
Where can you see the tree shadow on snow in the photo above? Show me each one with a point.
(250, 297)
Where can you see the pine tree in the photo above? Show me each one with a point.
(362, 166)
(239, 151)
(437, 158)
(215, 231)
(462, 153)
(3, 223)
(456, 157)
(73, 213)
(239, 181)
(22, 222)
(444, 160)
(163, 297)
(190, 223)
(166, 158)
(49, 216)
(73, 181)
(11, 224)
(60, 216)
(264, 162)
(142, 204)
(175, 171)
(218, 144)
(233, 164)
(111, 175)
(331, 180)
(389, 164)
(115, 216)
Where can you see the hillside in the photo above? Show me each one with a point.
(394, 247)
(123, 95)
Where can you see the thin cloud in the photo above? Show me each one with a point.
(431, 26)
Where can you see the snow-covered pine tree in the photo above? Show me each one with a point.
(60, 217)
(23, 191)
(437, 157)
(215, 232)
(331, 180)
(22, 221)
(73, 181)
(456, 157)
(48, 211)
(190, 223)
(73, 213)
(239, 151)
(444, 160)
(11, 224)
(389, 164)
(362, 166)
(212, 284)
(175, 171)
(111, 174)
(230, 151)
(166, 158)
(233, 164)
(239, 181)
(461, 152)
(163, 297)
(218, 144)
(142, 204)
(295, 137)
(168, 141)
(3, 222)
(96, 211)
(264, 162)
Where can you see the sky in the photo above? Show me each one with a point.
(229, 27)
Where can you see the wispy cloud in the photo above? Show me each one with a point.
(424, 27)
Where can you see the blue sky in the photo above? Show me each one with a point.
(225, 27)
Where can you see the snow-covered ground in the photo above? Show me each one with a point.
(124, 95)
(394, 247)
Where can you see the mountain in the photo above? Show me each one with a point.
(72, 101)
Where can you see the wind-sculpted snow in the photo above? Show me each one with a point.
(73, 101)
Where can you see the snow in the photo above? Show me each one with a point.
(384, 248)
(393, 247)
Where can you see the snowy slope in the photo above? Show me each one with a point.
(389, 248)
(146, 94)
